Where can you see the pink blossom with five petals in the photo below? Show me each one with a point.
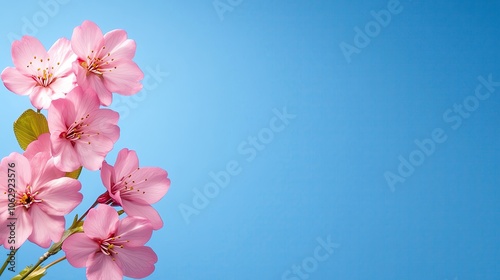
(134, 188)
(111, 248)
(43, 75)
(105, 62)
(81, 134)
(41, 195)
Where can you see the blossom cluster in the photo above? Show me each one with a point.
(74, 81)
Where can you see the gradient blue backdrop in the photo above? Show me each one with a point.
(214, 81)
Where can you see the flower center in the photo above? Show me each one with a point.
(93, 66)
(97, 62)
(44, 77)
(28, 198)
(109, 245)
(128, 186)
(76, 130)
(73, 133)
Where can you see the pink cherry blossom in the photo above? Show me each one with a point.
(134, 188)
(81, 134)
(43, 75)
(105, 61)
(111, 248)
(39, 198)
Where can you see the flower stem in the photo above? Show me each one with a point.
(55, 262)
(86, 212)
(56, 247)
(4, 266)
(40, 260)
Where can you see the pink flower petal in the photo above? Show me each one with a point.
(24, 227)
(41, 145)
(41, 97)
(81, 75)
(29, 49)
(22, 169)
(4, 199)
(104, 122)
(116, 196)
(137, 231)
(132, 208)
(17, 82)
(91, 154)
(60, 196)
(43, 170)
(61, 115)
(83, 101)
(65, 158)
(62, 85)
(119, 46)
(107, 175)
(102, 267)
(104, 94)
(113, 39)
(136, 262)
(88, 80)
(62, 57)
(46, 228)
(126, 163)
(151, 184)
(125, 79)
(101, 222)
(5, 230)
(78, 248)
(86, 38)
(125, 51)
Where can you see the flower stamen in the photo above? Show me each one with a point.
(107, 246)
(28, 198)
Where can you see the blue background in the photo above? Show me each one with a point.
(322, 176)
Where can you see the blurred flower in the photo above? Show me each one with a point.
(81, 134)
(105, 62)
(111, 248)
(44, 76)
(134, 188)
(42, 198)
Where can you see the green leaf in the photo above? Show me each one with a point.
(29, 126)
(74, 174)
(35, 275)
